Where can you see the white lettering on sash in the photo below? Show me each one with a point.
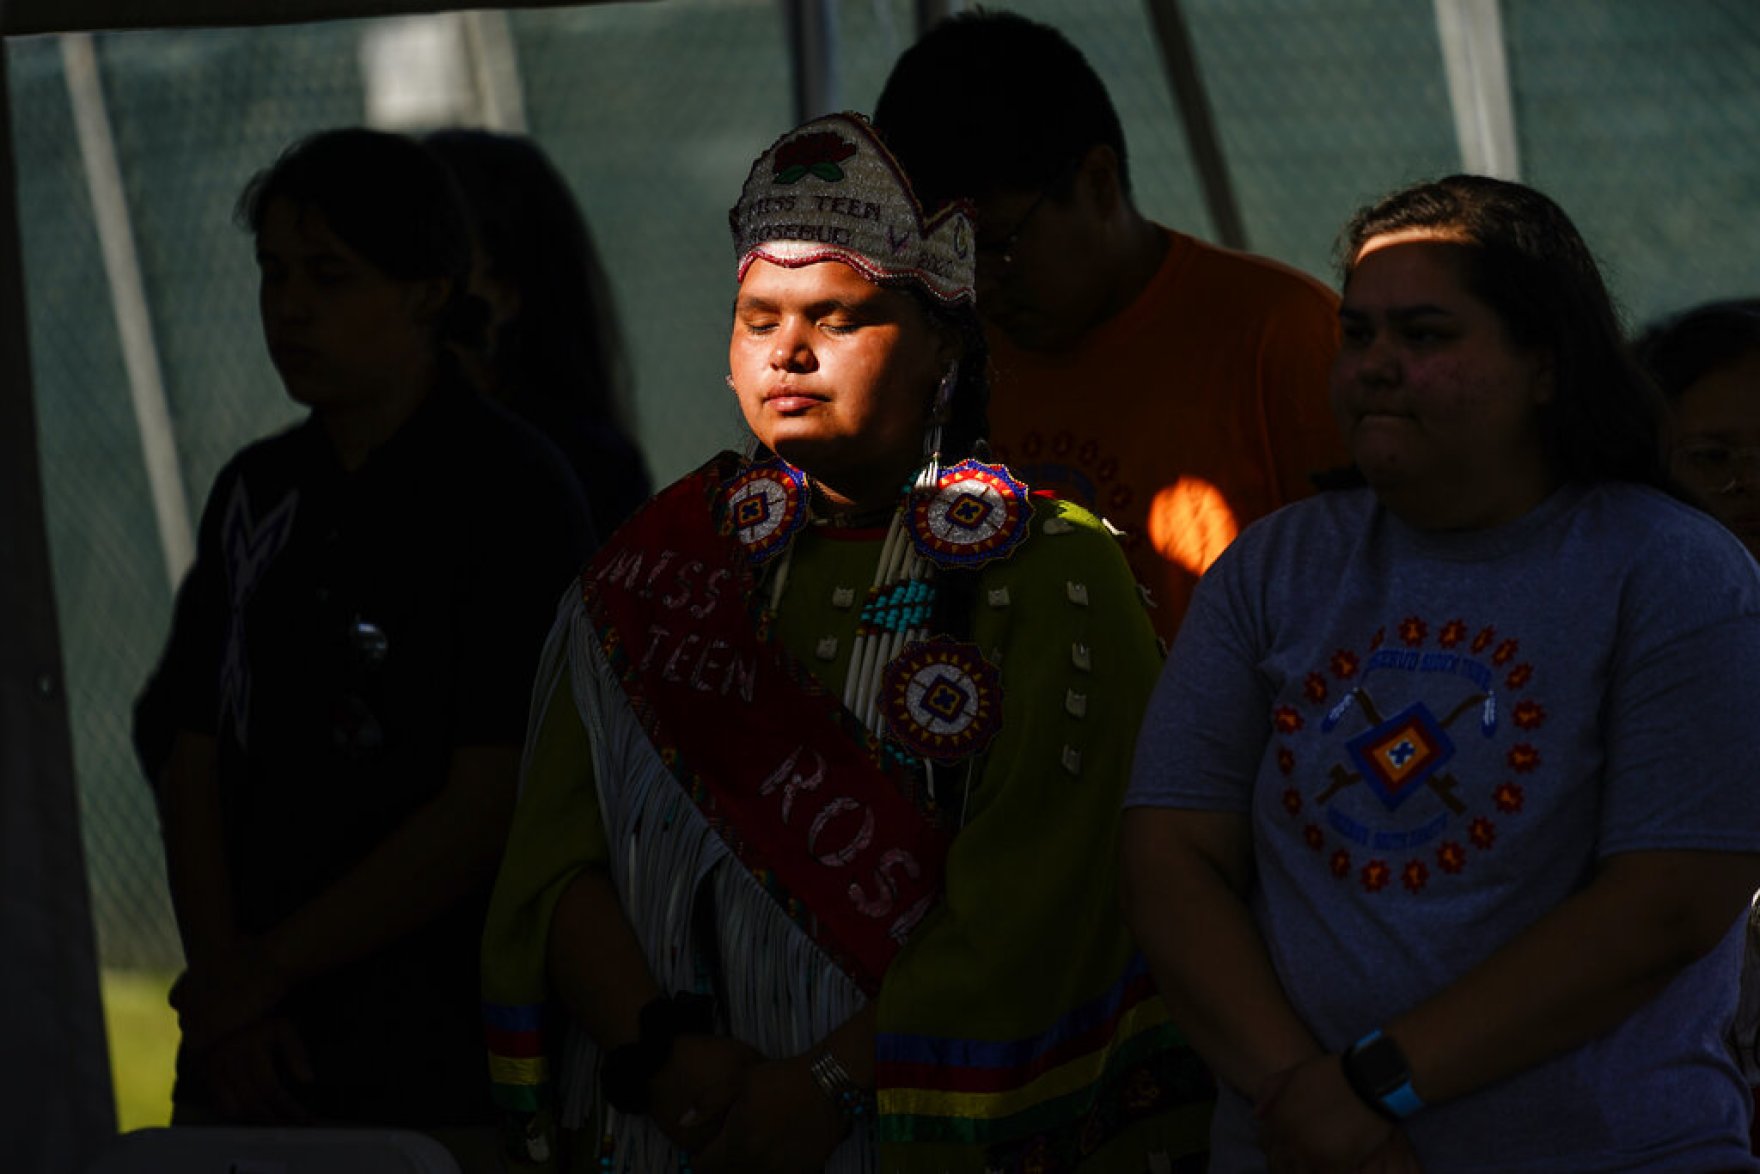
(681, 594)
(624, 568)
(660, 565)
(672, 671)
(706, 665)
(711, 593)
(793, 781)
(880, 904)
(863, 837)
(878, 898)
(656, 637)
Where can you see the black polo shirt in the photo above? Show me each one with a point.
(341, 634)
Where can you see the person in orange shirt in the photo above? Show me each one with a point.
(1176, 388)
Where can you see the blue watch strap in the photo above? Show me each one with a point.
(1390, 1089)
(1403, 1101)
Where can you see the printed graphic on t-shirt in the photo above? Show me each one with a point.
(1406, 758)
(247, 547)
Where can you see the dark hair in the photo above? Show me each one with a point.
(387, 198)
(967, 430)
(1681, 350)
(564, 342)
(991, 101)
(1527, 262)
(965, 434)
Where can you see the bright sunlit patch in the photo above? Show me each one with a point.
(1190, 523)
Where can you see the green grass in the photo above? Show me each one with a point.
(142, 1029)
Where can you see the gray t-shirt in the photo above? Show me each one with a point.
(1437, 736)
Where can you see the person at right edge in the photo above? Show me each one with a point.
(1173, 387)
(1443, 823)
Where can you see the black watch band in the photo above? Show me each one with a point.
(626, 1071)
(1378, 1073)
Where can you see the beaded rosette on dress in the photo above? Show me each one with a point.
(767, 506)
(976, 513)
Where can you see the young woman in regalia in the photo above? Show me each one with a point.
(814, 866)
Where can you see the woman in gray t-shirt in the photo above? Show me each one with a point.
(1441, 827)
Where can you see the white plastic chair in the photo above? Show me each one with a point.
(200, 1149)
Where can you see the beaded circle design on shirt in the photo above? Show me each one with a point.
(1333, 741)
(975, 514)
(766, 505)
(942, 699)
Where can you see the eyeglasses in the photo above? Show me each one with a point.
(1718, 466)
(1003, 250)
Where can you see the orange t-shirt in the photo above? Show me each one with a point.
(1199, 408)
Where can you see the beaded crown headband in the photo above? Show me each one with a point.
(829, 190)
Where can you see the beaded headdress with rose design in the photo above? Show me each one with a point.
(829, 190)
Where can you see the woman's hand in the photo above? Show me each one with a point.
(781, 1123)
(236, 990)
(253, 1074)
(1185, 877)
(691, 1096)
(1311, 1120)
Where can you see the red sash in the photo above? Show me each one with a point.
(787, 777)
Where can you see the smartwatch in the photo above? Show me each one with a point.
(1378, 1072)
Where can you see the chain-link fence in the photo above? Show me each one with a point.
(1639, 115)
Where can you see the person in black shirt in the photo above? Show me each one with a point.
(334, 728)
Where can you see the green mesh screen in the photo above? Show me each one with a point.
(1642, 119)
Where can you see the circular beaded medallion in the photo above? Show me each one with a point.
(766, 504)
(977, 513)
(942, 699)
